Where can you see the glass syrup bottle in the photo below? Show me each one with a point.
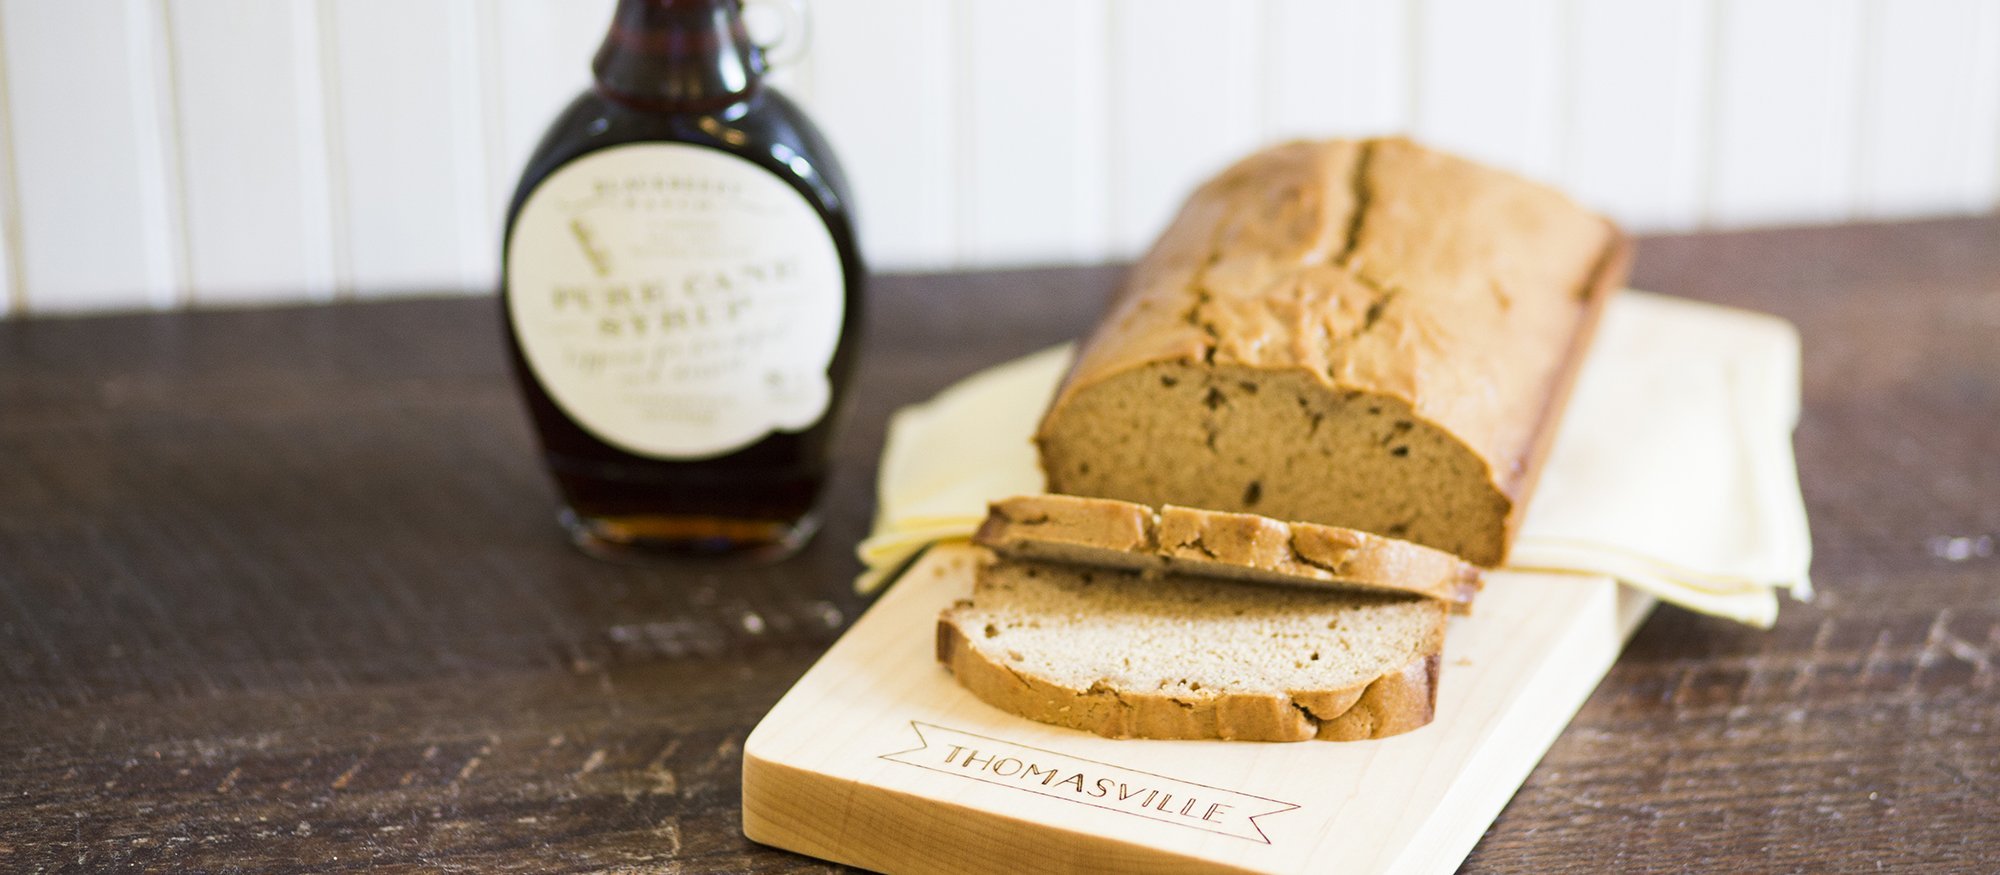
(682, 294)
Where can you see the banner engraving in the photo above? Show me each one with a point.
(1089, 782)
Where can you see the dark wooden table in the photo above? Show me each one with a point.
(281, 590)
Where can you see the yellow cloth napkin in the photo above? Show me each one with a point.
(1672, 471)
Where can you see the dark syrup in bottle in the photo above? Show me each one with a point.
(683, 293)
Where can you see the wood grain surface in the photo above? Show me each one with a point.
(281, 590)
(878, 759)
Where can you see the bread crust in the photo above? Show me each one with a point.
(1446, 293)
(1205, 543)
(1390, 704)
(1612, 269)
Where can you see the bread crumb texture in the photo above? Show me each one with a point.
(1119, 654)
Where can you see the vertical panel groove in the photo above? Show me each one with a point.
(165, 210)
(964, 207)
(493, 115)
(1267, 73)
(16, 302)
(318, 223)
(1569, 46)
(1989, 95)
(1857, 92)
(1113, 138)
(955, 142)
(339, 248)
(166, 84)
(1098, 163)
(1414, 70)
(1259, 39)
(1866, 148)
(1116, 141)
(1711, 159)
(471, 143)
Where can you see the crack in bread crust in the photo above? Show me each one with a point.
(1335, 569)
(1384, 274)
(1126, 536)
(1363, 197)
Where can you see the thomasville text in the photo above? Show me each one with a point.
(1108, 789)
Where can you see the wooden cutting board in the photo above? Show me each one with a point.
(878, 759)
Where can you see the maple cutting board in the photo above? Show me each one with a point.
(878, 759)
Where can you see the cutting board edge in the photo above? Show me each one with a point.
(1483, 804)
(966, 843)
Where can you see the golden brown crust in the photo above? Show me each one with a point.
(1605, 281)
(1458, 293)
(1391, 704)
(1097, 522)
(1119, 534)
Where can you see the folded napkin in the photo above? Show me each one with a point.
(1672, 470)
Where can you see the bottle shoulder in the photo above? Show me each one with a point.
(768, 130)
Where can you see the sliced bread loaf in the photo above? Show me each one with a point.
(1238, 546)
(1365, 334)
(1123, 656)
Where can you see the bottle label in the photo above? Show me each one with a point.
(674, 300)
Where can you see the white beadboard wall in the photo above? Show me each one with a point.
(170, 153)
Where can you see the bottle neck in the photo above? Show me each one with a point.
(678, 55)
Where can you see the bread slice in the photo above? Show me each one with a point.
(1124, 656)
(1365, 334)
(1238, 546)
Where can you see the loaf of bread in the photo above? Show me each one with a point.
(1370, 335)
(1107, 533)
(1124, 656)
